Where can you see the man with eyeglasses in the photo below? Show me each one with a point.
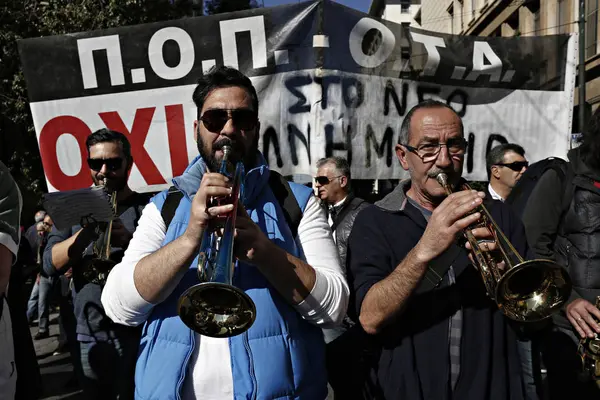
(505, 165)
(107, 351)
(417, 291)
(291, 273)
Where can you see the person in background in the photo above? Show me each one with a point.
(346, 342)
(107, 350)
(43, 290)
(562, 221)
(505, 164)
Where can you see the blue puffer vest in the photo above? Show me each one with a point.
(280, 357)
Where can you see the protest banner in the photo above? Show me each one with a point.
(331, 81)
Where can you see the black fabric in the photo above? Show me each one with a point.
(520, 193)
(170, 205)
(343, 222)
(91, 319)
(413, 362)
(568, 234)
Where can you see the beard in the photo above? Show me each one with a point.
(238, 153)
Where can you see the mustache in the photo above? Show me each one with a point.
(434, 173)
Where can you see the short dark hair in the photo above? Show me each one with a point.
(590, 141)
(341, 166)
(425, 104)
(496, 155)
(106, 135)
(220, 77)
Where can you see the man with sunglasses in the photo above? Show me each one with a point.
(107, 351)
(417, 291)
(505, 164)
(294, 278)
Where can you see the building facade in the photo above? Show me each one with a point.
(406, 12)
(507, 18)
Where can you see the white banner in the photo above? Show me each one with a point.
(347, 99)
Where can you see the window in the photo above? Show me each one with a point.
(404, 7)
(591, 27)
(562, 22)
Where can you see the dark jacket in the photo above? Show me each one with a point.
(414, 352)
(568, 233)
(343, 222)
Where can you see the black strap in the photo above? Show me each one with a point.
(286, 199)
(170, 206)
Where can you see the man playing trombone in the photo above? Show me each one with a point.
(417, 294)
(107, 350)
(293, 279)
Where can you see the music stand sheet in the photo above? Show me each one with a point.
(74, 207)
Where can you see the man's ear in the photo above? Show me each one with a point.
(196, 127)
(343, 181)
(401, 153)
(495, 171)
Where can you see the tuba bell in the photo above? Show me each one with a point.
(589, 351)
(525, 291)
(215, 307)
(97, 269)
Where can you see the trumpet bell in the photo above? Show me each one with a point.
(216, 309)
(533, 290)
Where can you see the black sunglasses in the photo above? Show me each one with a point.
(112, 164)
(515, 166)
(323, 180)
(214, 120)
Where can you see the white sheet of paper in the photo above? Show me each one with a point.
(68, 208)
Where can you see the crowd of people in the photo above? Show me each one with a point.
(353, 300)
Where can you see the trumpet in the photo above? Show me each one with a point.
(97, 270)
(525, 291)
(215, 307)
(589, 351)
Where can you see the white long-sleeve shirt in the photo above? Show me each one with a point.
(210, 374)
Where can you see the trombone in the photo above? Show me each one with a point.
(526, 291)
(215, 307)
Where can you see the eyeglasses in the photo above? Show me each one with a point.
(515, 166)
(214, 120)
(112, 164)
(323, 180)
(428, 152)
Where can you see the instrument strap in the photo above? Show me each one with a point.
(286, 199)
(170, 205)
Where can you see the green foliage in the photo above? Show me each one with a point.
(31, 18)
(223, 6)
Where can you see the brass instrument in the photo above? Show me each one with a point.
(215, 307)
(96, 270)
(589, 351)
(525, 291)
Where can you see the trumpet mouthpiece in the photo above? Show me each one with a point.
(442, 179)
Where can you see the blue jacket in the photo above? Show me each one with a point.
(280, 357)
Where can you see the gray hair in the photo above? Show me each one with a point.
(340, 163)
(496, 155)
(40, 215)
(426, 104)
